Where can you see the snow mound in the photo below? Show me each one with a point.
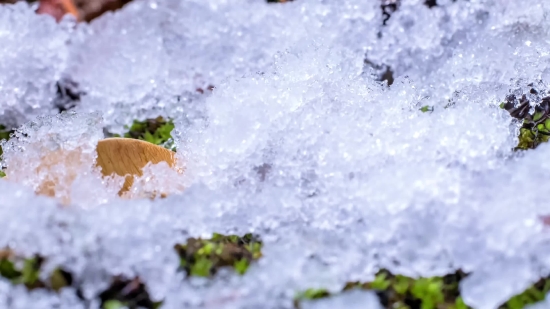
(299, 142)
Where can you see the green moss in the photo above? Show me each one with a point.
(534, 294)
(23, 271)
(4, 135)
(310, 294)
(30, 272)
(4, 132)
(426, 293)
(127, 293)
(404, 292)
(426, 108)
(531, 135)
(121, 293)
(535, 128)
(60, 279)
(26, 271)
(203, 257)
(114, 304)
(156, 131)
(401, 292)
(8, 270)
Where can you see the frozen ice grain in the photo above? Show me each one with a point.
(299, 142)
(33, 57)
(54, 154)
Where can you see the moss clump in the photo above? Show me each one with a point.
(26, 271)
(121, 293)
(535, 120)
(310, 294)
(401, 292)
(157, 131)
(426, 108)
(534, 294)
(125, 293)
(404, 292)
(203, 257)
(4, 134)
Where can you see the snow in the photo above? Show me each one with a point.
(299, 142)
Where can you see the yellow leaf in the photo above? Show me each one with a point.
(127, 157)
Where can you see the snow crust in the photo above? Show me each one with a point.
(298, 142)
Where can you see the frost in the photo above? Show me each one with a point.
(176, 50)
(156, 176)
(285, 131)
(33, 57)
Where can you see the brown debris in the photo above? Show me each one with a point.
(126, 157)
(57, 8)
(83, 10)
(132, 293)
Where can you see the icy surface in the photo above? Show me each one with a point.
(33, 56)
(56, 155)
(298, 142)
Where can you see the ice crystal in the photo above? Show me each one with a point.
(286, 131)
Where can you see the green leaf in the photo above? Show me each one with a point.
(310, 294)
(201, 268)
(183, 263)
(30, 271)
(427, 108)
(429, 290)
(217, 237)
(537, 116)
(57, 280)
(156, 131)
(4, 133)
(529, 296)
(204, 257)
(401, 285)
(527, 139)
(241, 266)
(427, 303)
(138, 126)
(380, 282)
(8, 271)
(256, 249)
(113, 304)
(219, 249)
(206, 249)
(515, 303)
(2, 174)
(233, 238)
(165, 131)
(149, 137)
